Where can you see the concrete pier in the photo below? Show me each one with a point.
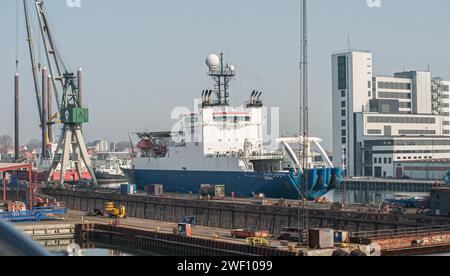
(50, 234)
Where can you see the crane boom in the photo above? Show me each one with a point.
(71, 149)
(33, 59)
(49, 46)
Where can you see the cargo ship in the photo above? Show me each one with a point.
(219, 144)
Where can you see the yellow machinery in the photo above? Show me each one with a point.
(258, 242)
(115, 212)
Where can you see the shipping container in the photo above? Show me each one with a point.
(341, 237)
(128, 189)
(321, 238)
(155, 190)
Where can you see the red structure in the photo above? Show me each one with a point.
(5, 168)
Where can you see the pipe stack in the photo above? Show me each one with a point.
(44, 113)
(16, 117)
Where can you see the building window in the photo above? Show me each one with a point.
(416, 132)
(343, 123)
(343, 113)
(405, 105)
(380, 160)
(344, 140)
(375, 161)
(343, 104)
(385, 160)
(344, 132)
(369, 84)
(394, 85)
(370, 94)
(343, 93)
(394, 95)
(374, 131)
(390, 160)
(401, 120)
(342, 72)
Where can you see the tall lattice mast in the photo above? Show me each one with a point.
(304, 119)
(304, 116)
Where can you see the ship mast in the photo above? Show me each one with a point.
(222, 74)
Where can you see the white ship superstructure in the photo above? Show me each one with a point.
(221, 144)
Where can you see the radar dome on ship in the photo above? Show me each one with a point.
(213, 61)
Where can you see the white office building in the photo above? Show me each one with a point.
(379, 121)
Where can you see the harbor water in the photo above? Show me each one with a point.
(104, 250)
(367, 197)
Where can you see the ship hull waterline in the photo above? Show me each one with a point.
(242, 184)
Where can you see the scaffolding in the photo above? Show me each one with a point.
(7, 168)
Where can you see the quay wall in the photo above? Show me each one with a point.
(186, 246)
(232, 215)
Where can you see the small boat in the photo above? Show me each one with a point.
(410, 202)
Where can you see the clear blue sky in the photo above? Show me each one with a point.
(142, 58)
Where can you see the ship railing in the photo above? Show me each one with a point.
(248, 156)
(380, 234)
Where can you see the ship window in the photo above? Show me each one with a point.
(232, 119)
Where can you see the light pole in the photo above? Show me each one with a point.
(344, 153)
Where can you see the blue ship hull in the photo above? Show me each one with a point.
(274, 185)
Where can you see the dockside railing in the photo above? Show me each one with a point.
(380, 234)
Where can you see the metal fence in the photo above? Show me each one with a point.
(402, 232)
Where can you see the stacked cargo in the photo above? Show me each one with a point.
(15, 206)
(212, 191)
